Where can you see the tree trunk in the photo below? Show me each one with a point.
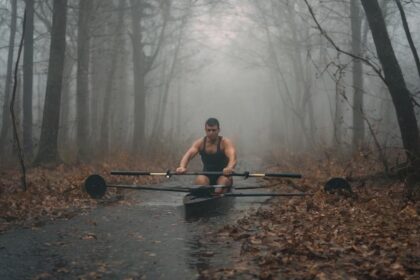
(48, 152)
(66, 122)
(303, 99)
(307, 104)
(6, 117)
(106, 120)
(164, 102)
(338, 113)
(28, 58)
(121, 113)
(161, 103)
(395, 82)
(139, 73)
(408, 34)
(100, 62)
(82, 91)
(358, 123)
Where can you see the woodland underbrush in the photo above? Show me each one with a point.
(373, 233)
(57, 191)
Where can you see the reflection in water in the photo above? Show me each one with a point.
(151, 237)
(179, 241)
(216, 208)
(199, 255)
(202, 253)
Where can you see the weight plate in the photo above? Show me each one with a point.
(337, 184)
(95, 186)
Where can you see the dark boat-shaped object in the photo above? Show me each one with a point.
(199, 199)
(204, 200)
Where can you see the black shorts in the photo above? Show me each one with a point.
(213, 179)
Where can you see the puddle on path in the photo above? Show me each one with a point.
(149, 239)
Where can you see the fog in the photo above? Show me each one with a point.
(262, 68)
(226, 87)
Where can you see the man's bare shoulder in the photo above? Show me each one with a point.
(225, 139)
(197, 143)
(227, 142)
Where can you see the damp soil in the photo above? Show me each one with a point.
(146, 235)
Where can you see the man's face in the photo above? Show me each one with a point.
(212, 132)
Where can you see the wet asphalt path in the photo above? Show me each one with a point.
(148, 238)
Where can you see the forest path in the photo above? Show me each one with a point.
(145, 236)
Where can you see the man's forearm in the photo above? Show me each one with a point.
(231, 164)
(184, 161)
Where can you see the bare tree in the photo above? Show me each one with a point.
(48, 151)
(286, 43)
(105, 125)
(8, 83)
(100, 45)
(358, 123)
(139, 71)
(28, 73)
(143, 61)
(395, 82)
(338, 118)
(408, 34)
(83, 57)
(174, 57)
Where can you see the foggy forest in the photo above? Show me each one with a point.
(327, 89)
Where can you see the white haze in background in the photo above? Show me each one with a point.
(225, 88)
(242, 95)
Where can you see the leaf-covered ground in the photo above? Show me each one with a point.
(374, 234)
(58, 192)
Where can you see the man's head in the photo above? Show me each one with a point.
(212, 128)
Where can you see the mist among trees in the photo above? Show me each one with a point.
(102, 100)
(99, 78)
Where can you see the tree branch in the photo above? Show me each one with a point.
(408, 34)
(12, 103)
(165, 16)
(329, 39)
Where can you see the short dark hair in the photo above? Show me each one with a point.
(212, 122)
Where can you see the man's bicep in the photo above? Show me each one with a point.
(232, 153)
(230, 150)
(193, 150)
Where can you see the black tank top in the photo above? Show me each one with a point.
(215, 161)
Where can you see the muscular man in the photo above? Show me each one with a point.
(217, 154)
